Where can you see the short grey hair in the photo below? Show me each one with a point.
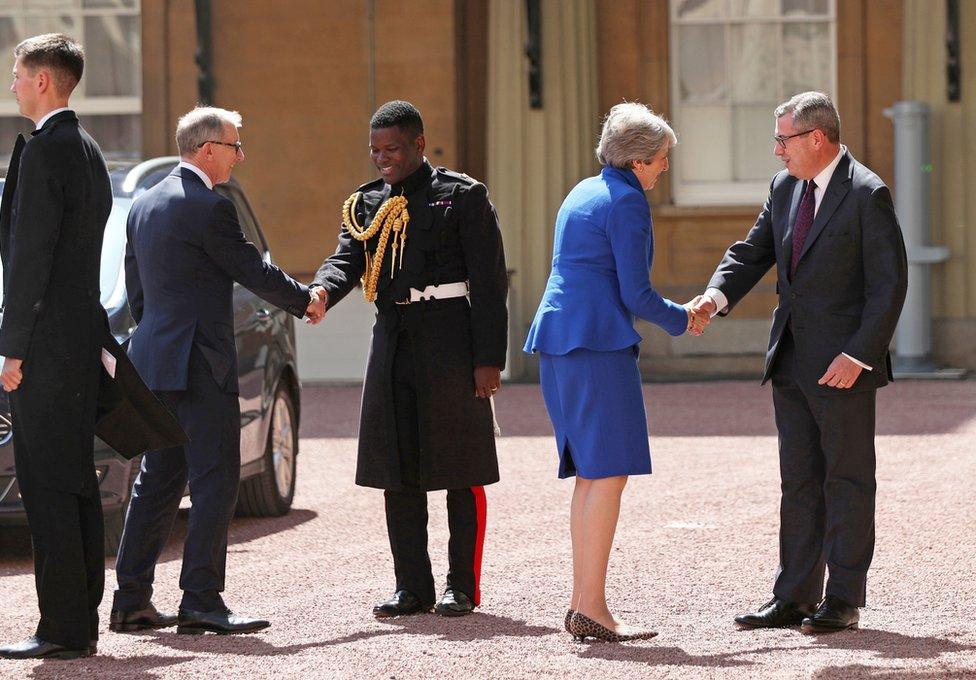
(812, 111)
(203, 124)
(632, 132)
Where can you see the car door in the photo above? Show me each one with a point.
(253, 322)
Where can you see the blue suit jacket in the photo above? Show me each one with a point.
(602, 255)
(184, 252)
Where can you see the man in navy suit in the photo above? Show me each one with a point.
(185, 251)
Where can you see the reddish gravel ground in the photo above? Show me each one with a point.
(696, 545)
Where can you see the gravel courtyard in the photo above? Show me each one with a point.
(695, 546)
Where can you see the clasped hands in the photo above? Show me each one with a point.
(700, 311)
(316, 309)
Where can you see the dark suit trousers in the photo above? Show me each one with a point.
(827, 470)
(69, 559)
(406, 508)
(211, 463)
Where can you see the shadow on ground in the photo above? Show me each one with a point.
(15, 546)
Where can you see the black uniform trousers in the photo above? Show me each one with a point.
(406, 508)
(211, 462)
(827, 471)
(69, 557)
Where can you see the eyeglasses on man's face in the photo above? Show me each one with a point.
(783, 139)
(238, 147)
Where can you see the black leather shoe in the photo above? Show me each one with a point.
(833, 615)
(141, 619)
(776, 614)
(220, 621)
(402, 603)
(36, 648)
(454, 603)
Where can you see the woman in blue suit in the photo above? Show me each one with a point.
(584, 333)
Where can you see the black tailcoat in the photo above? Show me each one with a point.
(452, 236)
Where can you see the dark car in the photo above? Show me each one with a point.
(269, 386)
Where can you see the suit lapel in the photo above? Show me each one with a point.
(837, 188)
(788, 236)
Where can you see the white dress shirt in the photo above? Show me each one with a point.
(821, 180)
(43, 120)
(200, 173)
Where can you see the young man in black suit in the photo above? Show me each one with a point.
(829, 228)
(185, 251)
(56, 201)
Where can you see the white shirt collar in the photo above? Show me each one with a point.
(824, 177)
(200, 173)
(43, 120)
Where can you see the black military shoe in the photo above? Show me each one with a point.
(36, 648)
(454, 603)
(402, 603)
(776, 614)
(833, 615)
(141, 619)
(220, 621)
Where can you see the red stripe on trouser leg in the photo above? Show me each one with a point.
(481, 514)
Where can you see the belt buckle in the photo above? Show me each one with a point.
(401, 302)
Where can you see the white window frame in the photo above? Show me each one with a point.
(80, 103)
(689, 192)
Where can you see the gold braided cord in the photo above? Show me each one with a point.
(392, 216)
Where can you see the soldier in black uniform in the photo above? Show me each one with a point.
(427, 245)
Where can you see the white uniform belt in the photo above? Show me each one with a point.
(444, 291)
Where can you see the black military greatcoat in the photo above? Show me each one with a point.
(452, 236)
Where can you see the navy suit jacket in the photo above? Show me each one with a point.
(185, 250)
(600, 280)
(850, 282)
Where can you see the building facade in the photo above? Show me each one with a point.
(513, 92)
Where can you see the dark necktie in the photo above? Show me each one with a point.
(804, 220)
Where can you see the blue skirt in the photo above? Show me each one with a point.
(596, 407)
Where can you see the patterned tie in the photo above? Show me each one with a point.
(804, 220)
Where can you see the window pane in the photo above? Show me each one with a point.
(806, 58)
(702, 63)
(103, 4)
(52, 23)
(701, 9)
(755, 8)
(12, 31)
(805, 7)
(118, 136)
(112, 51)
(705, 151)
(754, 70)
(52, 4)
(753, 154)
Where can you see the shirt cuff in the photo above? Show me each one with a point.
(859, 363)
(718, 297)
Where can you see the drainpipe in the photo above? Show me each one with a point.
(205, 80)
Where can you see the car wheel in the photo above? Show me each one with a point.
(115, 520)
(270, 493)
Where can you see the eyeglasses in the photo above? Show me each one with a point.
(782, 139)
(237, 145)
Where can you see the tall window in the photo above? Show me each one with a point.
(108, 99)
(732, 62)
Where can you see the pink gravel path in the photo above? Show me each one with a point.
(696, 545)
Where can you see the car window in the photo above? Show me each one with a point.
(112, 276)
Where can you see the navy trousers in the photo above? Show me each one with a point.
(211, 463)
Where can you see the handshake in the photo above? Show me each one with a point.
(700, 311)
(316, 308)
